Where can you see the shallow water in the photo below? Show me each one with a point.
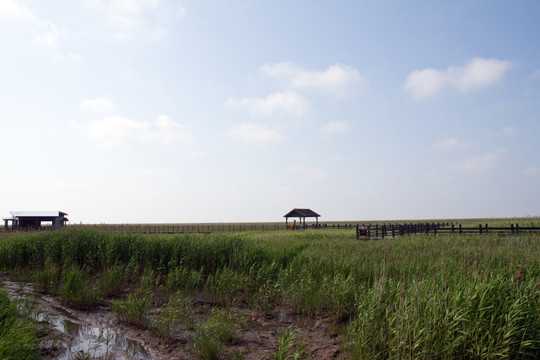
(84, 333)
(103, 343)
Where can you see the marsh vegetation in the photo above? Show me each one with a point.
(296, 294)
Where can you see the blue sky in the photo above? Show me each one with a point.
(130, 111)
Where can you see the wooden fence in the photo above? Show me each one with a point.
(207, 228)
(365, 231)
(382, 231)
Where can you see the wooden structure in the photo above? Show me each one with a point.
(392, 230)
(301, 214)
(33, 219)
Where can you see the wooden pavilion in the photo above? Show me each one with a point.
(301, 214)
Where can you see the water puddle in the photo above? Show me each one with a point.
(98, 342)
(85, 334)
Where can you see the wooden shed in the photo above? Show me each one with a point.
(301, 214)
(33, 219)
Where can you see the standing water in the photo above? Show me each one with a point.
(83, 333)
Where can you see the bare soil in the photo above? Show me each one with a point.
(66, 332)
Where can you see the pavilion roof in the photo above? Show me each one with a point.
(303, 213)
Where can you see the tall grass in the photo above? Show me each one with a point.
(477, 318)
(420, 296)
(18, 338)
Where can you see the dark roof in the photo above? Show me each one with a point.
(301, 213)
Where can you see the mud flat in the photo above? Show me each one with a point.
(68, 333)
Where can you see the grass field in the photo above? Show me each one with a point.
(419, 296)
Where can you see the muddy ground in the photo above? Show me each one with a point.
(68, 333)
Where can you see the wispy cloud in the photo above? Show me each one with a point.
(70, 58)
(479, 164)
(117, 130)
(334, 127)
(256, 134)
(475, 74)
(337, 79)
(509, 131)
(133, 18)
(281, 103)
(42, 32)
(99, 106)
(451, 144)
(113, 129)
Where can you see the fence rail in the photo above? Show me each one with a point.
(382, 231)
(365, 231)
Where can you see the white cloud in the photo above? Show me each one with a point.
(42, 32)
(99, 106)
(71, 58)
(253, 133)
(114, 130)
(281, 69)
(132, 18)
(425, 83)
(479, 164)
(334, 127)
(338, 79)
(451, 144)
(282, 103)
(166, 130)
(509, 131)
(477, 73)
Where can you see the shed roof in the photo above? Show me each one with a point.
(301, 213)
(19, 214)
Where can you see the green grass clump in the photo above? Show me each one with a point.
(77, 290)
(18, 339)
(133, 309)
(212, 334)
(289, 347)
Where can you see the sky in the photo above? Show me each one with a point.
(164, 111)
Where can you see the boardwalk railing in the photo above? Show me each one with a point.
(381, 231)
(201, 228)
(365, 231)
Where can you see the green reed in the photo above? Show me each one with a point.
(418, 296)
(18, 339)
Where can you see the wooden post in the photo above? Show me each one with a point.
(460, 228)
(480, 226)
